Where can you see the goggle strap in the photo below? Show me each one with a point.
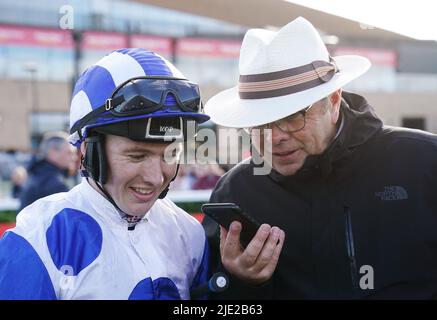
(95, 113)
(87, 118)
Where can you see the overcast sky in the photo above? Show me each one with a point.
(416, 19)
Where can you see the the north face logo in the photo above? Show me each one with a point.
(392, 193)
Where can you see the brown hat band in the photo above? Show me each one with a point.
(280, 83)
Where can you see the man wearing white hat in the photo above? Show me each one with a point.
(355, 199)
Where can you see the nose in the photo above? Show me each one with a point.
(278, 135)
(152, 171)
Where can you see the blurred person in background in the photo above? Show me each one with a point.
(18, 179)
(207, 176)
(8, 162)
(184, 179)
(73, 170)
(48, 169)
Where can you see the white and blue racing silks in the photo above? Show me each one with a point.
(75, 245)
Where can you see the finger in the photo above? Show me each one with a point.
(271, 266)
(223, 234)
(268, 250)
(231, 246)
(255, 246)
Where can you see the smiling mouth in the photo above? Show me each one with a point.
(284, 154)
(143, 191)
(142, 194)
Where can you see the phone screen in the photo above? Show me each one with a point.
(225, 213)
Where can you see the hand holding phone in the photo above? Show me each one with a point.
(255, 264)
(225, 213)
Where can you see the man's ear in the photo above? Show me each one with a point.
(335, 101)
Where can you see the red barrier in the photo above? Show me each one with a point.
(5, 226)
(198, 216)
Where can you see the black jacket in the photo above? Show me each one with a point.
(44, 179)
(369, 200)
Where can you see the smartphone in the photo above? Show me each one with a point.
(225, 213)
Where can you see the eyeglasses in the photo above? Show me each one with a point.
(290, 124)
(143, 95)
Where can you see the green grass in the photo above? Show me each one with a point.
(7, 216)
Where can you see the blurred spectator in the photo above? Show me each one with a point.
(47, 171)
(207, 176)
(7, 163)
(18, 179)
(185, 178)
(73, 170)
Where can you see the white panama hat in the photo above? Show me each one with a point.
(281, 73)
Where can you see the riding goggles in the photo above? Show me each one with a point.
(144, 95)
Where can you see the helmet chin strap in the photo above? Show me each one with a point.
(130, 219)
(107, 195)
(165, 191)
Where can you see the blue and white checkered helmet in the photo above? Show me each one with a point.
(97, 84)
